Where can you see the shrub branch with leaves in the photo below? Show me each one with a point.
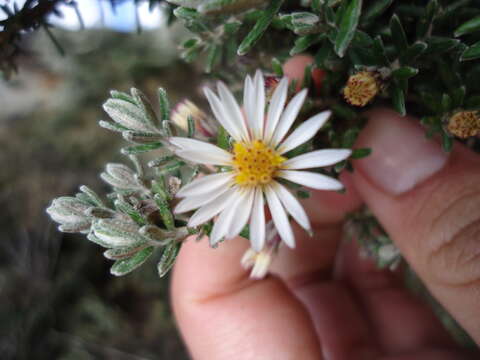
(419, 58)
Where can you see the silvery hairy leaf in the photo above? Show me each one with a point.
(121, 177)
(118, 233)
(128, 115)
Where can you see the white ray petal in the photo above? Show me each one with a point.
(279, 217)
(205, 184)
(204, 158)
(311, 180)
(258, 111)
(275, 108)
(257, 222)
(224, 221)
(304, 132)
(292, 205)
(317, 158)
(248, 100)
(222, 115)
(211, 209)
(233, 110)
(242, 214)
(187, 144)
(288, 117)
(194, 202)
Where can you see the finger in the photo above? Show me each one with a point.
(224, 315)
(294, 69)
(313, 256)
(430, 204)
(400, 322)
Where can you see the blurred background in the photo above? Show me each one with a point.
(57, 297)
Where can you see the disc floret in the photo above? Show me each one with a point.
(255, 163)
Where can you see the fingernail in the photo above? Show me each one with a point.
(401, 155)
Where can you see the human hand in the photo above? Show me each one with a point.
(323, 301)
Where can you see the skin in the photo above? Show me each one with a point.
(322, 301)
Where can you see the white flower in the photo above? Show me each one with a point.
(257, 159)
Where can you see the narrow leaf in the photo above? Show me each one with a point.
(468, 27)
(262, 24)
(348, 25)
(472, 53)
(398, 98)
(398, 34)
(125, 266)
(168, 258)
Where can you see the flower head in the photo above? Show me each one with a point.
(361, 88)
(464, 124)
(255, 163)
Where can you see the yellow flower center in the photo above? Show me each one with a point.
(255, 163)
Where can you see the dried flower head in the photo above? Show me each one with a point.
(186, 109)
(464, 124)
(361, 88)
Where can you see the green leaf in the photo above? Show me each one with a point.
(398, 98)
(398, 34)
(413, 52)
(137, 149)
(143, 103)
(92, 196)
(164, 104)
(458, 95)
(379, 51)
(323, 54)
(468, 27)
(473, 102)
(302, 43)
(446, 103)
(375, 10)
(447, 142)
(262, 24)
(425, 23)
(213, 57)
(91, 236)
(165, 212)
(168, 258)
(122, 96)
(277, 67)
(348, 25)
(439, 45)
(404, 72)
(191, 126)
(142, 137)
(303, 194)
(223, 141)
(125, 266)
(128, 209)
(472, 53)
(361, 153)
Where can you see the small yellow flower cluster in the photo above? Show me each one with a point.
(255, 163)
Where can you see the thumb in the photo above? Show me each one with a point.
(429, 203)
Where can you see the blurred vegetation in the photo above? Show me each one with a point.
(57, 298)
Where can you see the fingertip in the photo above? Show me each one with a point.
(202, 271)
